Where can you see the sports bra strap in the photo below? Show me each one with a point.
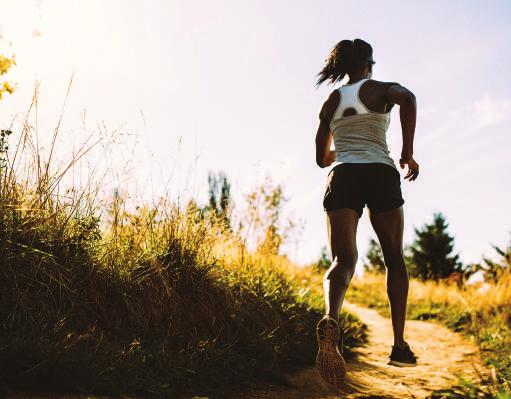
(349, 98)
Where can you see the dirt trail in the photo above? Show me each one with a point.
(441, 353)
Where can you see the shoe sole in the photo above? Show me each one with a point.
(401, 364)
(329, 361)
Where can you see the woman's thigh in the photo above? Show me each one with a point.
(342, 226)
(388, 226)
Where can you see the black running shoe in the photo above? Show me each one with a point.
(402, 357)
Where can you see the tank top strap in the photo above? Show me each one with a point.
(356, 84)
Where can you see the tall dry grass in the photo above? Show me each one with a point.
(154, 299)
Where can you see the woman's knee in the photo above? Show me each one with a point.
(343, 268)
(394, 257)
(348, 259)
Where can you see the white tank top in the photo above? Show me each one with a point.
(359, 138)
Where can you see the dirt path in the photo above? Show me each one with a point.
(441, 353)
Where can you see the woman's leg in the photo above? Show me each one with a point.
(389, 229)
(342, 228)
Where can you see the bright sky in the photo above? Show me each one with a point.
(229, 85)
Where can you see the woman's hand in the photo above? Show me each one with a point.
(413, 167)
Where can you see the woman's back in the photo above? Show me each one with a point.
(358, 126)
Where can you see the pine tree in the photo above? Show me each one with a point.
(431, 252)
(374, 256)
(493, 270)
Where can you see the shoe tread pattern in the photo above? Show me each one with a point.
(329, 361)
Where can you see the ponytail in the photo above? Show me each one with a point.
(344, 58)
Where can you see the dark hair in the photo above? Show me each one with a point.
(345, 57)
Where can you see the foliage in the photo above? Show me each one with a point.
(219, 196)
(324, 260)
(493, 270)
(5, 64)
(262, 218)
(431, 251)
(4, 146)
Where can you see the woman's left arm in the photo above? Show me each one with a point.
(325, 156)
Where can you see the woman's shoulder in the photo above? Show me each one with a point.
(380, 84)
(330, 104)
(334, 95)
(373, 93)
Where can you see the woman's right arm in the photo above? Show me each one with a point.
(397, 94)
(325, 156)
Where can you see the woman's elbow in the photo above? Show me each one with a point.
(321, 161)
(410, 99)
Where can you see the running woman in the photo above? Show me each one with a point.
(356, 116)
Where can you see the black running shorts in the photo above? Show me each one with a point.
(353, 185)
